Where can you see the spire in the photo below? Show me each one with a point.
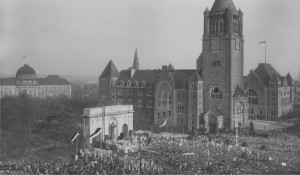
(136, 61)
(221, 5)
(110, 71)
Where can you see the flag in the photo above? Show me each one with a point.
(75, 135)
(97, 132)
(283, 164)
(263, 42)
(163, 123)
(24, 57)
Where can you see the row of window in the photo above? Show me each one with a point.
(222, 16)
(130, 83)
(164, 114)
(219, 27)
(130, 93)
(216, 63)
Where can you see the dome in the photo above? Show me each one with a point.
(221, 5)
(26, 72)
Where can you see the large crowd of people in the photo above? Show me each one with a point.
(203, 154)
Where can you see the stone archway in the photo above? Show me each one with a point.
(213, 122)
(125, 130)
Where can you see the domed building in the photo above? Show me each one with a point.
(27, 82)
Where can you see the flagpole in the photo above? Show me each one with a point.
(266, 52)
(76, 148)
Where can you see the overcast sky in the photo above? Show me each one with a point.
(79, 37)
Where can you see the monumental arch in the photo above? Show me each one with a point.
(113, 120)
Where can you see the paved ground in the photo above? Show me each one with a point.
(268, 125)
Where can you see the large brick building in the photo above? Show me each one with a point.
(27, 82)
(270, 94)
(215, 95)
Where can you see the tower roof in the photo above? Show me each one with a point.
(171, 67)
(26, 72)
(275, 78)
(195, 77)
(289, 79)
(110, 71)
(221, 5)
(136, 61)
(239, 92)
(265, 71)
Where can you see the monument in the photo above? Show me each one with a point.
(113, 120)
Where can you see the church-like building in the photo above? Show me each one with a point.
(27, 82)
(215, 95)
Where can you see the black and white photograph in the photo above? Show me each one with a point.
(173, 87)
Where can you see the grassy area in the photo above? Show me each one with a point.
(33, 147)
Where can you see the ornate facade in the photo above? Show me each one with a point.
(27, 82)
(213, 96)
(270, 94)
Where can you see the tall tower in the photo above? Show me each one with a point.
(107, 84)
(222, 58)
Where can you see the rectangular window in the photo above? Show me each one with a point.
(158, 115)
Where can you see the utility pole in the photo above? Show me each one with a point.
(76, 149)
(140, 163)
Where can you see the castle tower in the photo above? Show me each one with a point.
(107, 84)
(222, 58)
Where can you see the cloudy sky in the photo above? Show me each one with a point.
(79, 37)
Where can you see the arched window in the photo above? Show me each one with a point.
(216, 93)
(159, 100)
(170, 98)
(252, 97)
(164, 99)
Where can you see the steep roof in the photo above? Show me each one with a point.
(53, 80)
(195, 77)
(145, 75)
(275, 78)
(136, 64)
(171, 67)
(265, 71)
(289, 79)
(221, 5)
(182, 74)
(10, 81)
(139, 75)
(110, 71)
(239, 92)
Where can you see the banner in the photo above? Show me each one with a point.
(97, 132)
(75, 135)
(163, 123)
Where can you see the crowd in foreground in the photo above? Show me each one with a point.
(204, 154)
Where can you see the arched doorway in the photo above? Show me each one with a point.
(213, 123)
(125, 130)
